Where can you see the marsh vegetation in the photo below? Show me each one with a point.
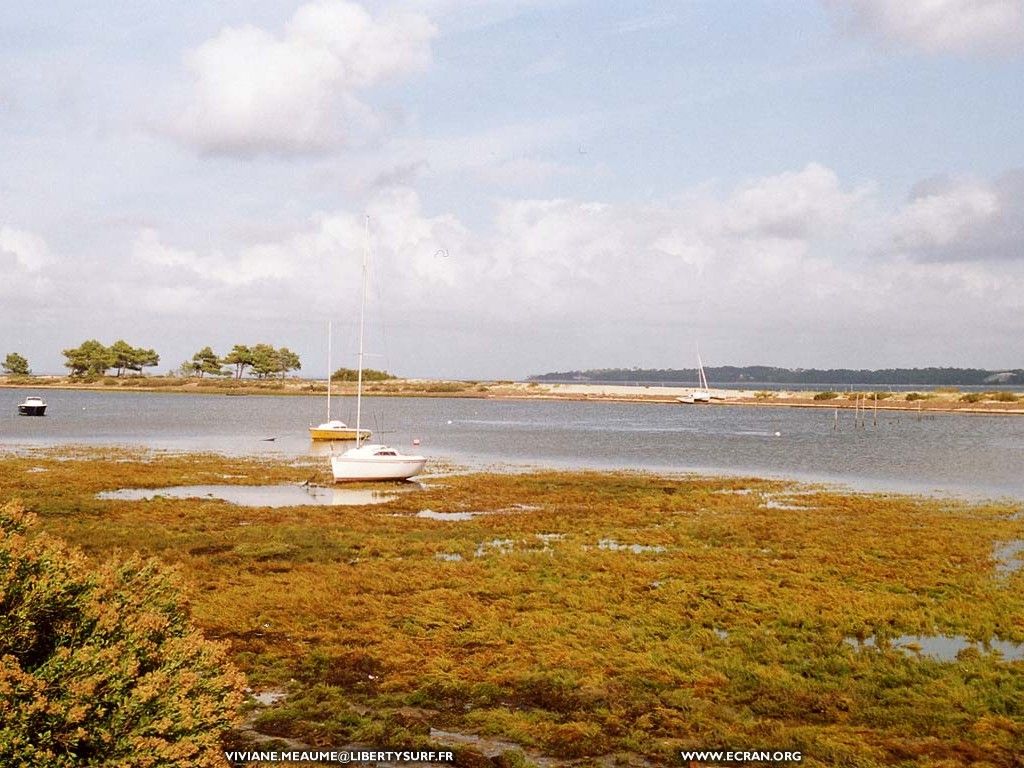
(584, 616)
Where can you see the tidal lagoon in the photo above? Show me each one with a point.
(896, 451)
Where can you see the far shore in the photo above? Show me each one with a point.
(930, 399)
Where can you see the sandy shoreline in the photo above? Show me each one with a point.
(942, 400)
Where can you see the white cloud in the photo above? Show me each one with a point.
(27, 283)
(554, 259)
(963, 220)
(555, 283)
(939, 26)
(302, 91)
(28, 250)
(250, 265)
(791, 205)
(937, 219)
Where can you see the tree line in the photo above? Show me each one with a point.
(262, 360)
(93, 358)
(729, 374)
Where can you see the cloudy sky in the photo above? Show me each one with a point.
(550, 184)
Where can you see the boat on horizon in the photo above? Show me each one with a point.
(703, 393)
(32, 406)
(370, 462)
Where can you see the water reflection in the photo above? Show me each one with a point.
(260, 495)
(942, 647)
(451, 516)
(1007, 556)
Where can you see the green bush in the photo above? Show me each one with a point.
(446, 386)
(369, 374)
(972, 397)
(826, 396)
(912, 396)
(100, 665)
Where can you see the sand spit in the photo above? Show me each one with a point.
(926, 399)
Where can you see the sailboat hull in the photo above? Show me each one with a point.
(329, 433)
(352, 469)
(697, 396)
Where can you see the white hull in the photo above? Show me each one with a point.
(375, 462)
(382, 468)
(698, 396)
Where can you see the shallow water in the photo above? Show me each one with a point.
(449, 516)
(258, 495)
(1008, 556)
(973, 455)
(944, 647)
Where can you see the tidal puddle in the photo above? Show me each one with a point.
(430, 514)
(269, 698)
(501, 546)
(943, 647)
(1008, 556)
(547, 538)
(260, 495)
(772, 504)
(636, 549)
(453, 516)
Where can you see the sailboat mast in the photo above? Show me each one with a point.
(362, 313)
(328, 370)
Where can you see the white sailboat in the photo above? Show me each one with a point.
(703, 393)
(371, 461)
(333, 429)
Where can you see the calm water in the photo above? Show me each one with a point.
(973, 455)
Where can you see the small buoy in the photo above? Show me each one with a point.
(778, 434)
(449, 421)
(415, 441)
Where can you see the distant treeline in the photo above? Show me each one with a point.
(729, 374)
(93, 359)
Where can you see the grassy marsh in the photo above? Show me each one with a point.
(583, 615)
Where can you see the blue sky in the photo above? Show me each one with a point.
(551, 185)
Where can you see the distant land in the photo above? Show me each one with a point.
(763, 374)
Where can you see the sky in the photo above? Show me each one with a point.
(546, 184)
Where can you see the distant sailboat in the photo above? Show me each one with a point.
(371, 462)
(703, 393)
(332, 429)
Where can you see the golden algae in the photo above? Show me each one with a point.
(585, 614)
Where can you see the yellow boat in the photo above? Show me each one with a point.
(332, 429)
(336, 430)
